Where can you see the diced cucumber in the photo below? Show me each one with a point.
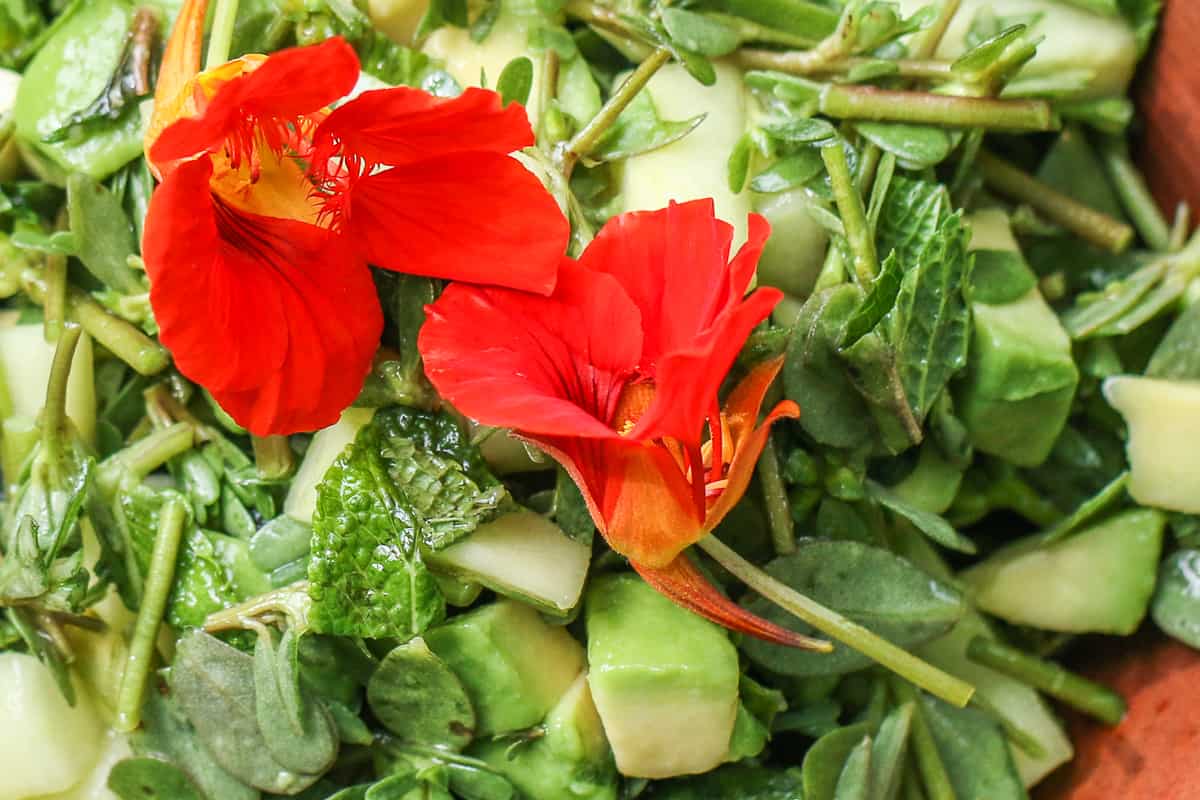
(46, 745)
(324, 449)
(25, 359)
(795, 252)
(521, 555)
(696, 166)
(514, 666)
(1101, 49)
(1163, 417)
(507, 455)
(665, 681)
(1016, 392)
(1097, 581)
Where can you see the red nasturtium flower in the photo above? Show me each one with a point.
(616, 376)
(271, 206)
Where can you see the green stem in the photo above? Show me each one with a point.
(1094, 226)
(54, 412)
(220, 38)
(54, 309)
(928, 44)
(547, 90)
(854, 218)
(1016, 734)
(911, 787)
(1134, 194)
(155, 592)
(273, 456)
(1091, 698)
(924, 748)
(834, 625)
(587, 139)
(1180, 227)
(779, 513)
(800, 63)
(888, 105)
(150, 453)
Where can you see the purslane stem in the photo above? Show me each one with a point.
(854, 217)
(836, 626)
(779, 513)
(887, 105)
(220, 38)
(1094, 226)
(1091, 698)
(586, 140)
(1135, 195)
(54, 309)
(153, 604)
(54, 412)
(150, 453)
(799, 63)
(924, 748)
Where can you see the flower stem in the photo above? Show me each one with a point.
(1135, 195)
(273, 456)
(800, 63)
(150, 453)
(153, 604)
(834, 625)
(888, 105)
(1094, 226)
(779, 513)
(587, 139)
(220, 38)
(854, 218)
(1091, 698)
(54, 310)
(929, 760)
(54, 413)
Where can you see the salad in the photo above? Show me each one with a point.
(582, 399)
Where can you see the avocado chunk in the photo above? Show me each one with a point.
(665, 681)
(1164, 425)
(514, 666)
(1097, 581)
(1020, 377)
(521, 555)
(571, 760)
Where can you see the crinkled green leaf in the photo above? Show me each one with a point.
(878, 302)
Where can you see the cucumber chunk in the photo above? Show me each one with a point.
(324, 449)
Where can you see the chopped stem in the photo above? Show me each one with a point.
(54, 310)
(779, 513)
(54, 412)
(1094, 226)
(586, 140)
(1016, 734)
(1180, 227)
(220, 38)
(155, 592)
(150, 453)
(273, 456)
(854, 218)
(928, 44)
(799, 63)
(889, 105)
(924, 748)
(547, 90)
(834, 625)
(1135, 195)
(1091, 698)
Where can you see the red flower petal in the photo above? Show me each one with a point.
(476, 217)
(402, 125)
(275, 317)
(548, 366)
(281, 90)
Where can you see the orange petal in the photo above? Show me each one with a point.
(683, 584)
(180, 64)
(749, 439)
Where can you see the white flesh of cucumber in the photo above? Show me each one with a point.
(324, 449)
(1164, 426)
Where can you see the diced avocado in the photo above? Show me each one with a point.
(665, 681)
(1020, 705)
(1097, 581)
(513, 665)
(571, 760)
(1020, 377)
(521, 555)
(696, 165)
(397, 19)
(324, 449)
(45, 745)
(795, 252)
(1163, 417)
(94, 786)
(25, 359)
(1101, 50)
